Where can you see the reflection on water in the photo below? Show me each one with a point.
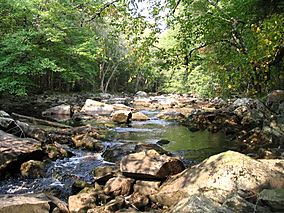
(189, 145)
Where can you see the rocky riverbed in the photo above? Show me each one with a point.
(106, 153)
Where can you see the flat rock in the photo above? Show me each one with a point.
(150, 164)
(14, 151)
(31, 203)
(218, 177)
(95, 108)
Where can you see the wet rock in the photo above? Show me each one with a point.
(88, 142)
(218, 177)
(163, 142)
(119, 186)
(146, 187)
(103, 173)
(121, 116)
(275, 101)
(139, 200)
(95, 108)
(56, 150)
(14, 151)
(32, 169)
(116, 153)
(58, 110)
(274, 198)
(171, 115)
(150, 164)
(139, 116)
(198, 204)
(31, 203)
(79, 185)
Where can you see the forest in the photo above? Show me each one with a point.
(210, 48)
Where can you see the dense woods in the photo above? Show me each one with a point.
(200, 46)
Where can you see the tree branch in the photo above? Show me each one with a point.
(105, 6)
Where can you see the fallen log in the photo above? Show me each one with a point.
(40, 121)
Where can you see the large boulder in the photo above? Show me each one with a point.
(95, 108)
(150, 164)
(31, 203)
(14, 151)
(218, 177)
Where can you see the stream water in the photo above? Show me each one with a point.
(190, 146)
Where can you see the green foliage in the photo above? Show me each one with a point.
(224, 47)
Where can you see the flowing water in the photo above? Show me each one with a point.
(190, 146)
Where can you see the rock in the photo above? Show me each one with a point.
(103, 173)
(138, 200)
(58, 110)
(31, 203)
(118, 186)
(146, 187)
(275, 101)
(238, 204)
(112, 206)
(88, 142)
(115, 153)
(14, 151)
(32, 169)
(145, 147)
(4, 114)
(86, 200)
(122, 107)
(171, 115)
(218, 177)
(28, 203)
(141, 94)
(150, 164)
(198, 204)
(6, 123)
(80, 185)
(121, 116)
(56, 150)
(139, 116)
(274, 198)
(95, 108)
(163, 142)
